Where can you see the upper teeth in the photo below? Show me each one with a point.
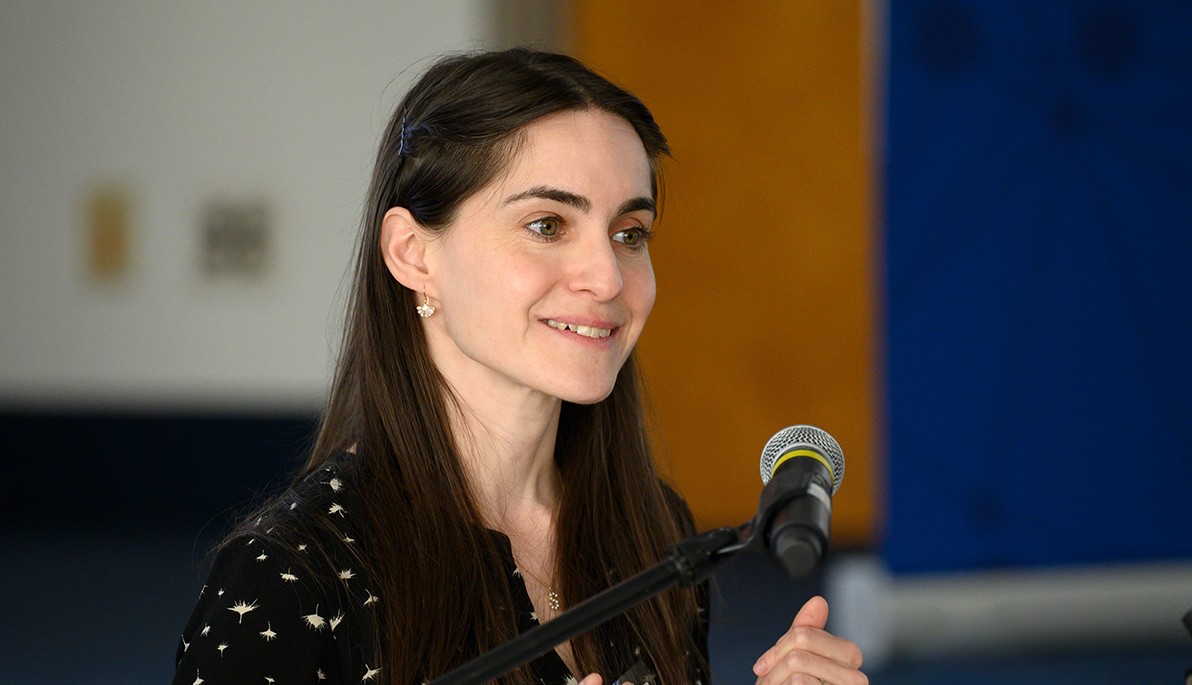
(590, 331)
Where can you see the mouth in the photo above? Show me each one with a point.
(578, 329)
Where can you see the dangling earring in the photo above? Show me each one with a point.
(424, 310)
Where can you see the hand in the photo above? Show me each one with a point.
(810, 655)
(594, 679)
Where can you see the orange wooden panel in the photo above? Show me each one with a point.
(767, 308)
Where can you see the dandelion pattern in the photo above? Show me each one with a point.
(282, 612)
(314, 620)
(243, 608)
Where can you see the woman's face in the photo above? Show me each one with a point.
(544, 281)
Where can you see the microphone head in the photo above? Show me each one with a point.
(803, 437)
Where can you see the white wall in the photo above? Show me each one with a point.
(180, 103)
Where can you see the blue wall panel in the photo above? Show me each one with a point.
(1039, 283)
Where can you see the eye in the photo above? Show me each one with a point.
(546, 227)
(635, 237)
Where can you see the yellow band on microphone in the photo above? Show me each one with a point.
(805, 453)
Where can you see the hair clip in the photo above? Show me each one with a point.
(402, 139)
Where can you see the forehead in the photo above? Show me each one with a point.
(587, 151)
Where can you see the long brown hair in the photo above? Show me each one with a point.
(438, 569)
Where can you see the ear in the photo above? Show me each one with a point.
(403, 247)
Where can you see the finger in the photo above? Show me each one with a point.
(798, 679)
(813, 641)
(807, 634)
(808, 667)
(591, 679)
(814, 613)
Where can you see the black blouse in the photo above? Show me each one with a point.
(264, 618)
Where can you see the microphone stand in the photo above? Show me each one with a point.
(686, 564)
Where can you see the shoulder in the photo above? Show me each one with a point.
(286, 598)
(314, 527)
(325, 492)
(321, 512)
(314, 522)
(257, 609)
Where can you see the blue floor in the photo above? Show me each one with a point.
(93, 609)
(1134, 665)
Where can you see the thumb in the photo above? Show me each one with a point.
(814, 613)
(591, 679)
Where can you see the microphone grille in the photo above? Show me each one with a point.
(794, 436)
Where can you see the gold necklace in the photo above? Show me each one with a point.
(552, 597)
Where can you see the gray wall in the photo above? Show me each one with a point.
(176, 108)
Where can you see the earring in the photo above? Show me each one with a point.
(424, 310)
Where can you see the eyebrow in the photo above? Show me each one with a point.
(579, 201)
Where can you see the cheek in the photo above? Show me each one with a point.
(641, 289)
(502, 290)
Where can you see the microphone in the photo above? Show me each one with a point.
(801, 468)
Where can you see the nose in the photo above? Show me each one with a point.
(596, 269)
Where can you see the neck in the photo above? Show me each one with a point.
(508, 453)
(505, 434)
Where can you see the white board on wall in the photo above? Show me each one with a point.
(175, 107)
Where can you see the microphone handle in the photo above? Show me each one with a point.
(794, 515)
(798, 534)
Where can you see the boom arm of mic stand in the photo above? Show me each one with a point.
(687, 563)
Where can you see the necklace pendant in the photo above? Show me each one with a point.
(552, 600)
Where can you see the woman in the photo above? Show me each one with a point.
(482, 462)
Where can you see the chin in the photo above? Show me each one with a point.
(586, 395)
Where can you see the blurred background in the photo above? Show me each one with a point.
(954, 234)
